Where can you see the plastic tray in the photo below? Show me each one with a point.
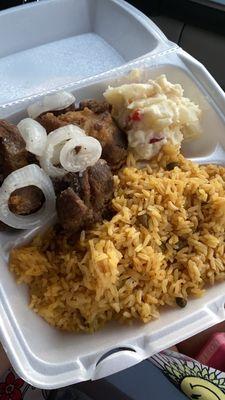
(48, 358)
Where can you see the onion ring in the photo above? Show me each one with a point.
(30, 175)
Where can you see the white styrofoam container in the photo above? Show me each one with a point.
(44, 356)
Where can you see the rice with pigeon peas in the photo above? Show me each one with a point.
(164, 243)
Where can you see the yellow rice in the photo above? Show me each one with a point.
(122, 270)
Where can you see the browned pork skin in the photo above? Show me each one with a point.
(95, 118)
(84, 199)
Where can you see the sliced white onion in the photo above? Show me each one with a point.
(51, 102)
(34, 135)
(27, 176)
(80, 153)
(55, 142)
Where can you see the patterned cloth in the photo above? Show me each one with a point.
(195, 380)
(14, 388)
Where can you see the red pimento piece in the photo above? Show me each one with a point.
(155, 140)
(136, 115)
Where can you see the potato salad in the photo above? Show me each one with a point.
(153, 114)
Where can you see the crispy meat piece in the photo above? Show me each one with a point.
(94, 117)
(69, 180)
(50, 122)
(86, 198)
(97, 107)
(101, 185)
(13, 154)
(26, 200)
(72, 212)
(49, 119)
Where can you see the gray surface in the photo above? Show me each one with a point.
(219, 4)
(145, 382)
(171, 27)
(207, 47)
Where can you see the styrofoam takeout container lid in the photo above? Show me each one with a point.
(42, 355)
(53, 42)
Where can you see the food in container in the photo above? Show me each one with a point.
(54, 359)
(127, 244)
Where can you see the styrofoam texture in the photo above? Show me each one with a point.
(54, 42)
(48, 358)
